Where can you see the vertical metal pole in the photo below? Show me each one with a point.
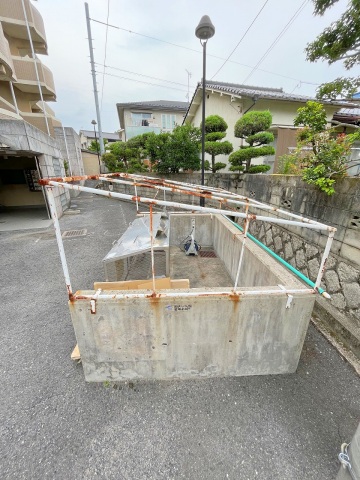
(152, 247)
(97, 148)
(93, 73)
(14, 98)
(36, 67)
(51, 199)
(202, 200)
(37, 163)
(247, 221)
(324, 259)
(67, 152)
(137, 203)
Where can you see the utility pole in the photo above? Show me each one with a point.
(93, 73)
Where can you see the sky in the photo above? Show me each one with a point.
(131, 59)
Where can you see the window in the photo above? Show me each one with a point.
(168, 122)
(140, 119)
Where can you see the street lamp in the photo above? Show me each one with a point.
(93, 122)
(204, 31)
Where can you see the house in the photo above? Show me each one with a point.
(88, 136)
(155, 116)
(231, 101)
(28, 127)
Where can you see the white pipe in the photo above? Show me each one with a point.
(324, 259)
(136, 195)
(67, 151)
(224, 199)
(152, 248)
(241, 293)
(247, 221)
(51, 199)
(185, 206)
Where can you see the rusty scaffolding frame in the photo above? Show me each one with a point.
(228, 203)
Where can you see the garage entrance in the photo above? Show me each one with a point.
(22, 202)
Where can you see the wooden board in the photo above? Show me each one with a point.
(76, 353)
(160, 283)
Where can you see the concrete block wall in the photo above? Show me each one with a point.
(21, 136)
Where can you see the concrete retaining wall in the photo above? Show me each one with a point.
(197, 336)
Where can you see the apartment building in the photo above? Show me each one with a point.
(28, 146)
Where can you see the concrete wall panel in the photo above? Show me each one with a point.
(190, 337)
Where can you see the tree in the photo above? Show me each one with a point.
(215, 129)
(252, 128)
(175, 151)
(338, 42)
(126, 156)
(112, 163)
(95, 145)
(322, 153)
(122, 153)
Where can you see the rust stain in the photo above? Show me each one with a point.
(234, 297)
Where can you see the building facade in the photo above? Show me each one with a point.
(156, 116)
(231, 101)
(88, 136)
(28, 126)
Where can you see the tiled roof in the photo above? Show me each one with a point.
(261, 92)
(349, 111)
(156, 104)
(107, 135)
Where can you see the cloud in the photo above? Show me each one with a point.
(174, 22)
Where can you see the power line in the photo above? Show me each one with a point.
(141, 81)
(292, 19)
(106, 41)
(198, 51)
(241, 39)
(142, 75)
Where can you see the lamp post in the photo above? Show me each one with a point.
(204, 31)
(97, 145)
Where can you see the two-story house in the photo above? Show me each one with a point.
(155, 116)
(231, 101)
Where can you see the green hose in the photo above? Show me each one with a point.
(281, 260)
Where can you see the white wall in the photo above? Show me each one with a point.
(283, 113)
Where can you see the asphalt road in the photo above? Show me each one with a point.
(55, 426)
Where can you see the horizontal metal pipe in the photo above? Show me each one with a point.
(187, 188)
(185, 206)
(231, 294)
(224, 198)
(281, 260)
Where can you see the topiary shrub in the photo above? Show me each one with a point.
(215, 129)
(252, 128)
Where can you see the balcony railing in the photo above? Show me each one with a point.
(14, 24)
(38, 121)
(6, 64)
(27, 81)
(133, 131)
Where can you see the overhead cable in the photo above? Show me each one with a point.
(241, 39)
(198, 51)
(142, 75)
(141, 81)
(292, 19)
